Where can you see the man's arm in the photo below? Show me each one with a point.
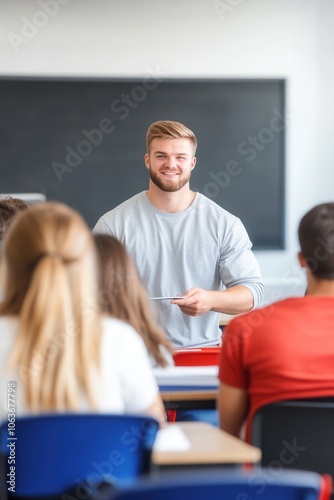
(235, 300)
(238, 265)
(232, 407)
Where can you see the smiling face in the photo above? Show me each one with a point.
(170, 162)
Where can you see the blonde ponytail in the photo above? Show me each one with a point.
(57, 346)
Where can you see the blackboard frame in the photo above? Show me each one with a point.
(230, 168)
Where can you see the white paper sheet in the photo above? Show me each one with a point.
(171, 438)
(165, 298)
(187, 375)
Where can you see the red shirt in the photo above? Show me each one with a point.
(282, 351)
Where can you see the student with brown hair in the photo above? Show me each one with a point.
(123, 296)
(9, 207)
(64, 355)
(285, 350)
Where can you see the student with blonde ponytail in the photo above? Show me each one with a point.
(62, 353)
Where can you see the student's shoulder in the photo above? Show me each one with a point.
(9, 323)
(272, 313)
(8, 329)
(112, 324)
(119, 332)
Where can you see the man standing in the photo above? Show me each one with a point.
(184, 244)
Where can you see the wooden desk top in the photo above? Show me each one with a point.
(209, 445)
(189, 395)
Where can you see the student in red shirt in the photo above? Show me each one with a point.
(285, 350)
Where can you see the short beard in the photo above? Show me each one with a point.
(165, 185)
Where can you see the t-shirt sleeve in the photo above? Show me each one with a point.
(231, 367)
(101, 227)
(238, 265)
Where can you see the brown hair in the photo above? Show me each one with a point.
(316, 238)
(50, 263)
(123, 296)
(9, 207)
(169, 130)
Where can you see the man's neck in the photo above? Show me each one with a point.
(320, 287)
(170, 202)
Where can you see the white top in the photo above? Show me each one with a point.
(126, 384)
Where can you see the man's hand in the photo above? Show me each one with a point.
(234, 300)
(194, 302)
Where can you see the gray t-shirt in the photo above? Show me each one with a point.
(204, 247)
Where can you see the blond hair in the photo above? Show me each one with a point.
(123, 295)
(169, 130)
(50, 261)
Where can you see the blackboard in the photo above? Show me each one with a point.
(82, 141)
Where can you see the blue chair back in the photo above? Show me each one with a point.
(231, 485)
(54, 453)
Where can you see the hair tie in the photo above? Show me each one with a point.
(57, 255)
(51, 254)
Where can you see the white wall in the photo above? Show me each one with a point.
(292, 39)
